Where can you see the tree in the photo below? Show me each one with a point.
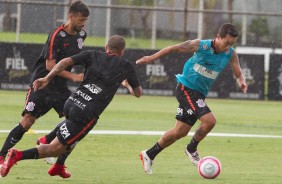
(259, 27)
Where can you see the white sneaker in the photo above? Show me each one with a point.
(146, 162)
(49, 160)
(194, 157)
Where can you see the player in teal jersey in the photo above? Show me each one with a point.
(199, 73)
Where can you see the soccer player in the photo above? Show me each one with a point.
(64, 41)
(199, 73)
(104, 72)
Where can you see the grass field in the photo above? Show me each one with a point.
(110, 159)
(90, 40)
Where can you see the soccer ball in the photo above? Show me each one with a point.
(209, 167)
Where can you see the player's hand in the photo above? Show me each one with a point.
(144, 60)
(125, 83)
(243, 85)
(78, 77)
(40, 84)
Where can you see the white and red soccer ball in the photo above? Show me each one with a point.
(209, 167)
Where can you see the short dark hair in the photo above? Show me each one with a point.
(79, 7)
(116, 43)
(228, 29)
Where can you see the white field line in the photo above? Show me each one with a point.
(129, 132)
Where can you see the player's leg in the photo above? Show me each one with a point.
(35, 107)
(58, 104)
(207, 123)
(55, 148)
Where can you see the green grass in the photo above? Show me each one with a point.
(107, 159)
(90, 40)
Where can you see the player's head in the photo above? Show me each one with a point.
(226, 37)
(78, 13)
(116, 44)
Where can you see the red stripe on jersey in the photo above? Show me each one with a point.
(27, 96)
(188, 98)
(52, 41)
(82, 131)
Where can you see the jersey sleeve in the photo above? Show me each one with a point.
(53, 45)
(132, 76)
(83, 58)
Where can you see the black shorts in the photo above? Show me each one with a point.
(80, 120)
(192, 105)
(70, 132)
(40, 102)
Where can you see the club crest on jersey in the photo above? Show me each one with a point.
(201, 103)
(205, 46)
(30, 106)
(82, 33)
(80, 43)
(62, 33)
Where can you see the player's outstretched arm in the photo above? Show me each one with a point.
(238, 72)
(187, 46)
(43, 82)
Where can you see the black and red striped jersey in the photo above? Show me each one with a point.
(58, 46)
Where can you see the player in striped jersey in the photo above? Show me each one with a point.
(64, 41)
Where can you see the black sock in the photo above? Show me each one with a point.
(154, 151)
(192, 146)
(13, 138)
(30, 154)
(51, 136)
(62, 158)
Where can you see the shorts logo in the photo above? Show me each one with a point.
(30, 106)
(64, 131)
(201, 103)
(179, 111)
(190, 112)
(93, 88)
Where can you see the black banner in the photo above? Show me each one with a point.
(275, 77)
(157, 78)
(253, 69)
(17, 61)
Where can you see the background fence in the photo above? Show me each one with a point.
(259, 20)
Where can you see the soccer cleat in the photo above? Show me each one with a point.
(13, 156)
(2, 160)
(49, 160)
(59, 170)
(194, 157)
(146, 162)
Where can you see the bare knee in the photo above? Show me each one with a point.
(27, 121)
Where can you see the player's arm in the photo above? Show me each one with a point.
(133, 91)
(59, 67)
(185, 47)
(238, 72)
(50, 63)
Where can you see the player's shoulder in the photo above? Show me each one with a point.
(205, 45)
(82, 33)
(58, 31)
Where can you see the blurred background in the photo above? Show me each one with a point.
(258, 20)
